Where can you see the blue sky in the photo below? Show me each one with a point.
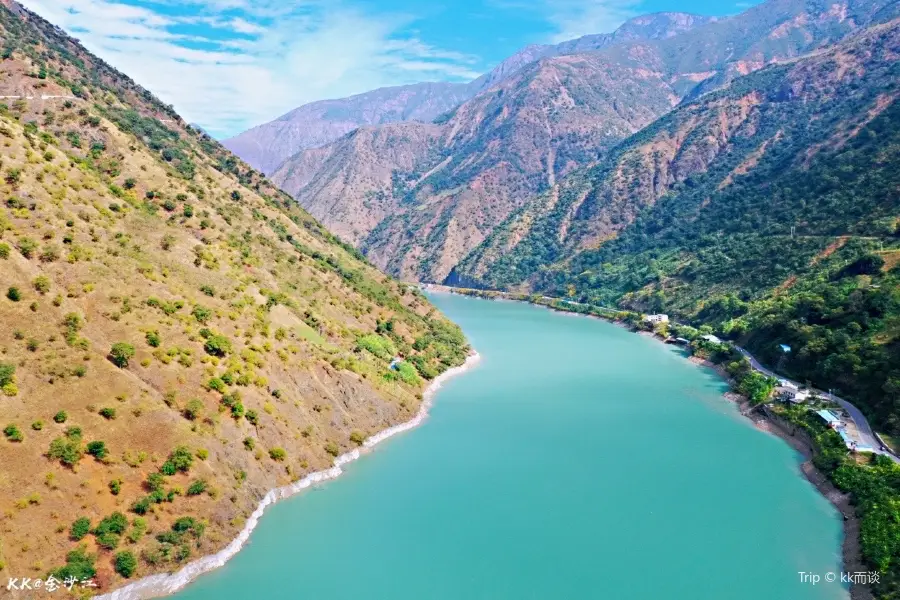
(231, 64)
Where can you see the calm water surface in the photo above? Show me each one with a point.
(577, 460)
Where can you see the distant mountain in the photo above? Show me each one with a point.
(312, 125)
(267, 146)
(419, 210)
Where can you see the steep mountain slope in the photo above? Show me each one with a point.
(312, 125)
(769, 210)
(176, 336)
(715, 139)
(512, 141)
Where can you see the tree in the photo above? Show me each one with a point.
(197, 487)
(126, 563)
(120, 354)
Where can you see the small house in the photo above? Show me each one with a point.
(654, 319)
(797, 396)
(710, 338)
(830, 418)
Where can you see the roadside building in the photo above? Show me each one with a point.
(654, 319)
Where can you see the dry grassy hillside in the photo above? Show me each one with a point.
(176, 337)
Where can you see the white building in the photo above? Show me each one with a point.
(711, 339)
(656, 319)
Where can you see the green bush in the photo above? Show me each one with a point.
(14, 294)
(249, 443)
(4, 250)
(27, 246)
(120, 354)
(98, 450)
(115, 523)
(115, 486)
(79, 566)
(381, 347)
(41, 284)
(208, 290)
(12, 433)
(60, 417)
(108, 413)
(201, 314)
(277, 454)
(197, 487)
(126, 563)
(181, 458)
(153, 339)
(7, 373)
(65, 450)
(193, 409)
(357, 437)
(217, 345)
(80, 528)
(332, 449)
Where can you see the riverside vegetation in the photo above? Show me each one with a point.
(177, 337)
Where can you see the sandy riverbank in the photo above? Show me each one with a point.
(154, 586)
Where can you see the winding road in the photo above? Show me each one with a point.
(862, 424)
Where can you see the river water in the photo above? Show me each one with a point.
(576, 460)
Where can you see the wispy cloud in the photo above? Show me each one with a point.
(231, 64)
(575, 18)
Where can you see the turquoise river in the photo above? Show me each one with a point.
(576, 460)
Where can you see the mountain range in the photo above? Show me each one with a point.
(418, 197)
(316, 124)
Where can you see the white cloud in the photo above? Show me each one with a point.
(254, 59)
(575, 18)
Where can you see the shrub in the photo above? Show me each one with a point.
(332, 448)
(115, 524)
(277, 454)
(217, 345)
(98, 450)
(10, 389)
(7, 373)
(249, 443)
(50, 253)
(60, 417)
(235, 195)
(193, 409)
(141, 506)
(12, 433)
(79, 371)
(201, 314)
(37, 425)
(197, 487)
(167, 242)
(4, 250)
(188, 211)
(14, 294)
(32, 345)
(107, 413)
(27, 246)
(66, 451)
(79, 566)
(126, 563)
(208, 290)
(115, 486)
(181, 458)
(129, 183)
(202, 453)
(120, 354)
(253, 417)
(217, 384)
(80, 528)
(357, 437)
(153, 339)
(41, 284)
(107, 541)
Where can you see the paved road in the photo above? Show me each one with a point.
(862, 424)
